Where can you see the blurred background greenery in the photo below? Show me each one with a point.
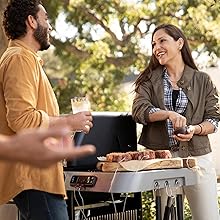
(100, 45)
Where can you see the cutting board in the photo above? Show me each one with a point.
(137, 165)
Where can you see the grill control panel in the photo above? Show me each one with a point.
(83, 181)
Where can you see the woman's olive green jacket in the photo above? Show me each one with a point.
(203, 103)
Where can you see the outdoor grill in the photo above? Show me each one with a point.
(103, 195)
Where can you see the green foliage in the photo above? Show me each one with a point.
(112, 40)
(102, 98)
(148, 206)
(187, 213)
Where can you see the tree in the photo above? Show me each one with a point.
(112, 40)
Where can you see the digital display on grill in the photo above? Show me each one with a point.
(85, 181)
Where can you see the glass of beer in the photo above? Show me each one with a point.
(80, 104)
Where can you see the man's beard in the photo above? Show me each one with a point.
(41, 37)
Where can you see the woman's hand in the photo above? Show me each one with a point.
(177, 120)
(186, 137)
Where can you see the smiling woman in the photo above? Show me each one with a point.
(168, 50)
(172, 93)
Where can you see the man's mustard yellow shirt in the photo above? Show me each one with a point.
(27, 100)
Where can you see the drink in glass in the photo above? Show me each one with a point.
(80, 104)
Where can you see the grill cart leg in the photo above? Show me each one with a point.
(179, 205)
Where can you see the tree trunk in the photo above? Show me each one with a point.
(3, 39)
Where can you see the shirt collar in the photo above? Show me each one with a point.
(19, 43)
(165, 74)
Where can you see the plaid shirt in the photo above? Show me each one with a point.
(181, 104)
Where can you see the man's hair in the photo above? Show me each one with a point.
(15, 15)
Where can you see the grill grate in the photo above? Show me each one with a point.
(127, 215)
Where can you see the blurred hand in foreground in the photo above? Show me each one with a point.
(42, 147)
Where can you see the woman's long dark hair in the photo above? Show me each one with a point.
(175, 33)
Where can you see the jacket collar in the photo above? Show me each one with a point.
(186, 78)
(188, 72)
(156, 78)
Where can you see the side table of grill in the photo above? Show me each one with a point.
(127, 182)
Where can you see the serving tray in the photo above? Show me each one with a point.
(138, 165)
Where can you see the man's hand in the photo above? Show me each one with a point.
(81, 121)
(43, 147)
